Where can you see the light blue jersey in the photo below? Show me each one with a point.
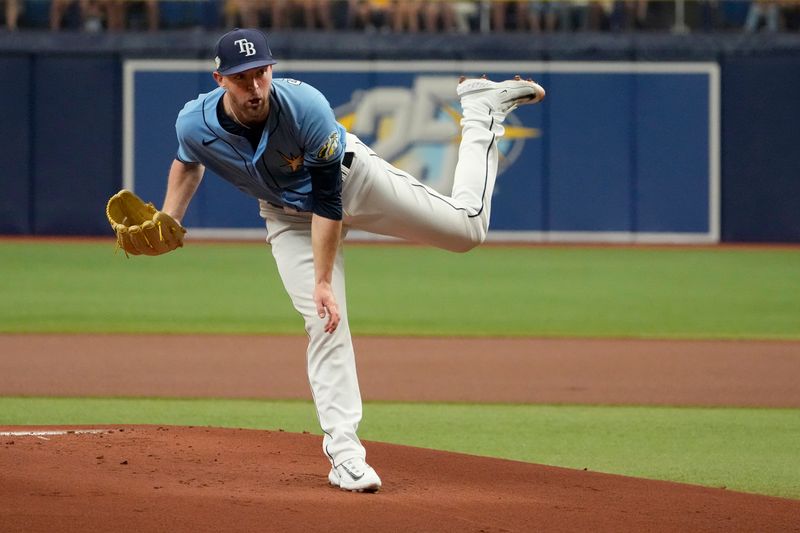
(301, 132)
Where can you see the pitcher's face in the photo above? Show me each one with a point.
(248, 93)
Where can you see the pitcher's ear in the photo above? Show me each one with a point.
(219, 78)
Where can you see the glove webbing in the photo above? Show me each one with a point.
(119, 239)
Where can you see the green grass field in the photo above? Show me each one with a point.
(571, 291)
(492, 291)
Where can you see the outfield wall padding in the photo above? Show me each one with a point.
(61, 103)
(76, 153)
(761, 148)
(16, 133)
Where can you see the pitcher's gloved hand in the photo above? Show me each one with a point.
(140, 227)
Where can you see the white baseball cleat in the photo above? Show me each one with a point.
(502, 96)
(355, 475)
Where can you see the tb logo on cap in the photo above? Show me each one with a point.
(246, 47)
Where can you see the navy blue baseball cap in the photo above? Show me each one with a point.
(240, 50)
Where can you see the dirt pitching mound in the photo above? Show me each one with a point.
(147, 478)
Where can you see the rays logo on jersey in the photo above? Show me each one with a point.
(329, 147)
(417, 128)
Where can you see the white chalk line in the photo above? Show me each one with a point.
(51, 433)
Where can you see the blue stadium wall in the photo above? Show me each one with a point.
(62, 106)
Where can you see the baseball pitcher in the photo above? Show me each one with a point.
(278, 141)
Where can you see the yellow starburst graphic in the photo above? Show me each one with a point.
(347, 121)
(512, 132)
(292, 161)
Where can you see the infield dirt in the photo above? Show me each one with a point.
(149, 478)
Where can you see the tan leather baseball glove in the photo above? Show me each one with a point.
(140, 227)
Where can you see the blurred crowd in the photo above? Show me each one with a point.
(458, 16)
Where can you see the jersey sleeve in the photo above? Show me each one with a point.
(323, 137)
(185, 153)
(184, 128)
(182, 156)
(323, 141)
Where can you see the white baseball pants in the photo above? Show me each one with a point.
(381, 199)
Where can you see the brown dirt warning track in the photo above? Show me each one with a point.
(149, 478)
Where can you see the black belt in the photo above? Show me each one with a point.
(347, 160)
